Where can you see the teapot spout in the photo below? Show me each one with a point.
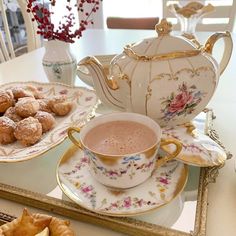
(107, 89)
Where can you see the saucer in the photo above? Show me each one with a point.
(198, 149)
(74, 178)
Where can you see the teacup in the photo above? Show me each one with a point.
(122, 148)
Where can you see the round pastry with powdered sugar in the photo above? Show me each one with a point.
(26, 107)
(44, 105)
(34, 91)
(28, 131)
(11, 114)
(6, 100)
(46, 119)
(7, 128)
(19, 92)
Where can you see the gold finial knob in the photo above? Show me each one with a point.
(164, 27)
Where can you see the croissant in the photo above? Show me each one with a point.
(27, 225)
(32, 224)
(59, 227)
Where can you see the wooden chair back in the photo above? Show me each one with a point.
(131, 23)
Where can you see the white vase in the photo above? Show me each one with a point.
(59, 63)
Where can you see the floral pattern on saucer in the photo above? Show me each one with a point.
(198, 149)
(84, 102)
(76, 182)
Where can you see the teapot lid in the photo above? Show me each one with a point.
(164, 46)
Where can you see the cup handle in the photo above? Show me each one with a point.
(171, 155)
(70, 132)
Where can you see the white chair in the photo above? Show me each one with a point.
(7, 51)
(221, 19)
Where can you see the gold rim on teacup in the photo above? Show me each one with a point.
(126, 170)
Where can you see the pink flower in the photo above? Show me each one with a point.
(164, 180)
(114, 205)
(84, 159)
(112, 173)
(180, 101)
(140, 202)
(127, 202)
(86, 189)
(64, 91)
(63, 132)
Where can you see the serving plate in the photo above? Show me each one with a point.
(75, 180)
(84, 103)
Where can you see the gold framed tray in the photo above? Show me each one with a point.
(127, 225)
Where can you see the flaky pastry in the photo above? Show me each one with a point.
(27, 225)
(58, 227)
(60, 106)
(33, 224)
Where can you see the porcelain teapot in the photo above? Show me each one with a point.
(168, 78)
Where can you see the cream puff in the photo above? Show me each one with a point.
(6, 100)
(28, 131)
(26, 107)
(46, 119)
(7, 128)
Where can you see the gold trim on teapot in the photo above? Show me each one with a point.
(165, 56)
(163, 29)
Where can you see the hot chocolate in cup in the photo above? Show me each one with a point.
(122, 148)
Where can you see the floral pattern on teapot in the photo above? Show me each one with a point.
(182, 103)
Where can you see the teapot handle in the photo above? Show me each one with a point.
(227, 50)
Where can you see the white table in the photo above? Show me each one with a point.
(222, 195)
